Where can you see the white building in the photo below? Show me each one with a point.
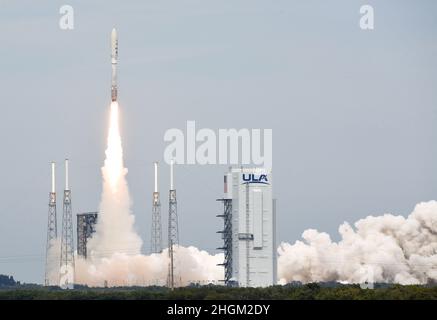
(250, 230)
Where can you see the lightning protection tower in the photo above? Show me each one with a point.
(156, 241)
(173, 232)
(67, 248)
(52, 231)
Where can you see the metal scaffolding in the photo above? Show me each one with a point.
(156, 237)
(52, 231)
(66, 279)
(173, 279)
(227, 238)
(86, 226)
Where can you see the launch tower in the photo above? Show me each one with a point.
(52, 230)
(173, 233)
(66, 279)
(156, 241)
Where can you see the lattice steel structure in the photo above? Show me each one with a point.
(173, 233)
(52, 230)
(227, 238)
(67, 243)
(86, 226)
(156, 234)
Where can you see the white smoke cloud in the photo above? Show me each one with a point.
(385, 248)
(121, 269)
(52, 262)
(115, 228)
(114, 251)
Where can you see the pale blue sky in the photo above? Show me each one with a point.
(353, 113)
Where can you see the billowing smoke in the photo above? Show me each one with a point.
(121, 269)
(114, 251)
(115, 228)
(52, 262)
(387, 248)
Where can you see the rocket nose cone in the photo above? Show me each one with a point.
(114, 33)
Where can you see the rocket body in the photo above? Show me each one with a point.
(114, 61)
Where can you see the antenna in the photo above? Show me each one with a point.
(66, 174)
(171, 174)
(53, 177)
(156, 176)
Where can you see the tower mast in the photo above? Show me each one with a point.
(173, 230)
(156, 241)
(52, 229)
(67, 247)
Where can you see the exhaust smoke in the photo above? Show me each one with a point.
(387, 248)
(114, 251)
(384, 249)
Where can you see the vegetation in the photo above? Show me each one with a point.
(311, 291)
(13, 290)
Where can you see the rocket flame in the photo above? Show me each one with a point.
(114, 251)
(115, 227)
(113, 169)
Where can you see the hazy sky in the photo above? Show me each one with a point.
(353, 112)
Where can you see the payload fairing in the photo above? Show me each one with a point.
(114, 60)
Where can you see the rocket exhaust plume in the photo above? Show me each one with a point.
(115, 249)
(387, 248)
(115, 227)
(384, 249)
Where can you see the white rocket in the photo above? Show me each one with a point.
(114, 59)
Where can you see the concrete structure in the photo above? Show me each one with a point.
(249, 228)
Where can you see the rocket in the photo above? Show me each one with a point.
(114, 60)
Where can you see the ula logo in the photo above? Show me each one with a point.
(253, 178)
